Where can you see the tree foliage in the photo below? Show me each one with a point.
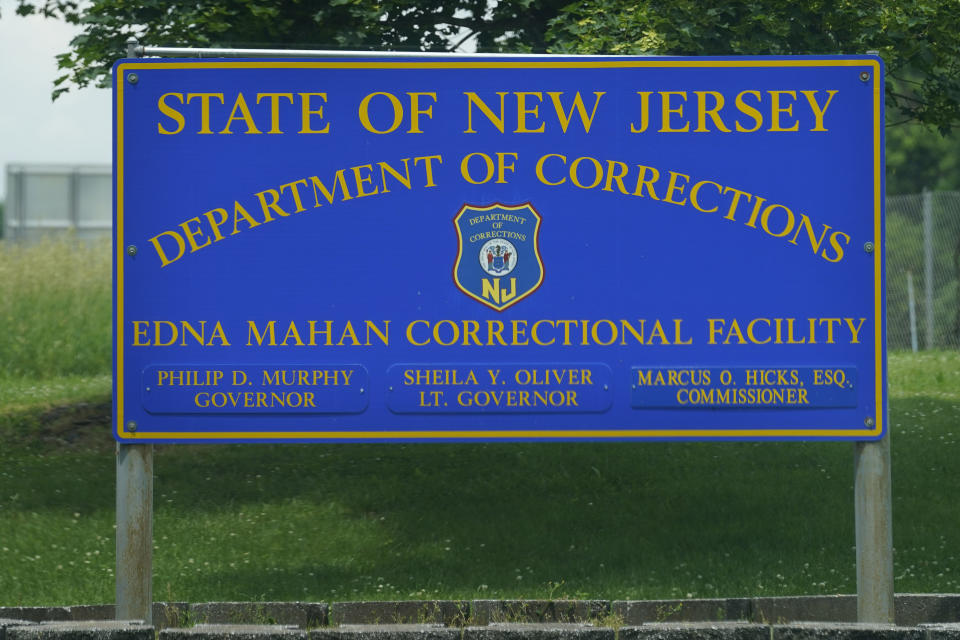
(426, 25)
(918, 39)
(919, 158)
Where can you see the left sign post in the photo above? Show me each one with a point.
(134, 580)
(134, 543)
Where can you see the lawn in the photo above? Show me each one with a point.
(339, 522)
(417, 521)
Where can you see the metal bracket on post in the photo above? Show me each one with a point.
(134, 576)
(134, 50)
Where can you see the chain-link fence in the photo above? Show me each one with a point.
(923, 271)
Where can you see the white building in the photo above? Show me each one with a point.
(51, 199)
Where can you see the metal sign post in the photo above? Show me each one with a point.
(874, 527)
(134, 574)
(134, 532)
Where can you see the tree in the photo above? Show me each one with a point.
(918, 39)
(919, 158)
(428, 25)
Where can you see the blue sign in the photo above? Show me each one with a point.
(499, 249)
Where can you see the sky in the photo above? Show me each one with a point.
(76, 129)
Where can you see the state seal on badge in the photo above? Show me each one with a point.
(498, 253)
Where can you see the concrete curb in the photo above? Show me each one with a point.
(165, 614)
(911, 610)
(538, 631)
(918, 608)
(235, 632)
(8, 622)
(941, 631)
(35, 614)
(448, 612)
(842, 608)
(728, 630)
(845, 631)
(635, 612)
(694, 631)
(85, 630)
(484, 612)
(387, 632)
(300, 614)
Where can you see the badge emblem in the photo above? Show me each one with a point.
(498, 257)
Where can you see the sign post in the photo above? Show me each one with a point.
(134, 569)
(134, 532)
(502, 248)
(874, 531)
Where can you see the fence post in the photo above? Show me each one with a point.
(20, 212)
(73, 212)
(928, 262)
(912, 307)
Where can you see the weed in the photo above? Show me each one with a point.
(178, 616)
(611, 620)
(667, 611)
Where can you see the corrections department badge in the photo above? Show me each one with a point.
(498, 257)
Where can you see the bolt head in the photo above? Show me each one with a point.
(864, 76)
(868, 247)
(132, 426)
(132, 250)
(868, 421)
(133, 78)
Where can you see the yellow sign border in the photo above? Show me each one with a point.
(870, 432)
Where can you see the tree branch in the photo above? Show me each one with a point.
(904, 121)
(894, 94)
(462, 40)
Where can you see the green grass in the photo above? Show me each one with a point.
(26, 395)
(55, 301)
(343, 522)
(340, 522)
